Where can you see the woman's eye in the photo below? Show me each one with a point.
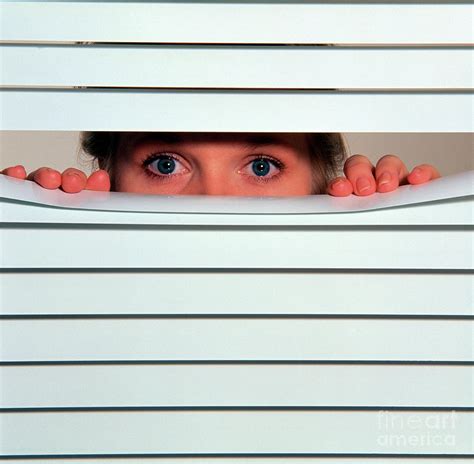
(263, 167)
(165, 166)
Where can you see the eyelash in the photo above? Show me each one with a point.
(154, 156)
(277, 163)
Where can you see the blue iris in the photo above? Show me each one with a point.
(166, 165)
(261, 167)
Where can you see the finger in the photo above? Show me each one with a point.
(359, 170)
(422, 173)
(99, 180)
(46, 177)
(340, 187)
(18, 172)
(73, 180)
(390, 172)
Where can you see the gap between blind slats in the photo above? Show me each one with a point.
(238, 23)
(260, 293)
(237, 386)
(236, 339)
(266, 460)
(212, 67)
(228, 111)
(224, 432)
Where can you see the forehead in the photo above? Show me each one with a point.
(247, 140)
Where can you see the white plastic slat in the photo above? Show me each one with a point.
(237, 339)
(190, 432)
(443, 213)
(235, 111)
(237, 386)
(237, 23)
(447, 201)
(249, 248)
(259, 293)
(212, 67)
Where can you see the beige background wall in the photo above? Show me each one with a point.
(450, 153)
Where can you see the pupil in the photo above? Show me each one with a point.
(261, 167)
(166, 165)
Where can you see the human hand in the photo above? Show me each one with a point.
(71, 180)
(362, 178)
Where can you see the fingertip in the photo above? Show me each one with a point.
(73, 180)
(340, 187)
(99, 181)
(48, 178)
(419, 175)
(359, 171)
(17, 172)
(365, 186)
(387, 182)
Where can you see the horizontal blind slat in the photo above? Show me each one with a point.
(238, 23)
(228, 111)
(453, 212)
(211, 67)
(261, 293)
(237, 386)
(233, 248)
(236, 339)
(235, 432)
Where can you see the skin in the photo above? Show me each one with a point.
(223, 164)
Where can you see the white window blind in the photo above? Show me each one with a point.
(180, 330)
(190, 66)
(108, 338)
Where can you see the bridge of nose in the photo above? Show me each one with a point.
(215, 175)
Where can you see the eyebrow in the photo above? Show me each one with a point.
(250, 141)
(258, 140)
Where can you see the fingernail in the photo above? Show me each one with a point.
(417, 172)
(338, 184)
(363, 184)
(385, 178)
